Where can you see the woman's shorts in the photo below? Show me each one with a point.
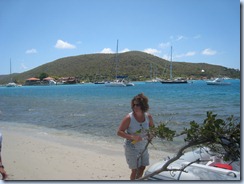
(131, 155)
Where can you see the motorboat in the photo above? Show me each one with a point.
(209, 167)
(11, 84)
(115, 83)
(52, 82)
(218, 81)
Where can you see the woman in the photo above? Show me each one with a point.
(133, 128)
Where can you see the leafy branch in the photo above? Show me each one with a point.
(222, 137)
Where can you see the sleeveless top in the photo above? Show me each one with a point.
(137, 128)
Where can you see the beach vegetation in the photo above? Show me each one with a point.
(221, 136)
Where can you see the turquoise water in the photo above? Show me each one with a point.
(96, 111)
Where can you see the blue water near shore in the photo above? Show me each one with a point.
(96, 111)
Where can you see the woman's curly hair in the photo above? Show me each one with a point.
(142, 100)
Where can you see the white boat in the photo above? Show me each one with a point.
(11, 84)
(218, 81)
(211, 167)
(52, 82)
(118, 82)
(153, 80)
(156, 80)
(129, 84)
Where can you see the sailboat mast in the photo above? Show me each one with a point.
(171, 65)
(116, 59)
(151, 71)
(10, 67)
(10, 70)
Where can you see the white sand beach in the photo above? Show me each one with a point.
(28, 157)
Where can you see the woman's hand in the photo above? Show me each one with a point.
(136, 138)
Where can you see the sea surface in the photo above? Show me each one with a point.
(94, 112)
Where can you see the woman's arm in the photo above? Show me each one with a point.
(124, 125)
(151, 124)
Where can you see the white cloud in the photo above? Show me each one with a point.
(110, 51)
(64, 45)
(106, 51)
(190, 53)
(209, 52)
(151, 51)
(125, 50)
(31, 51)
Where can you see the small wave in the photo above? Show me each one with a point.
(166, 114)
(77, 115)
(42, 133)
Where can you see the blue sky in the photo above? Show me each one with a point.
(35, 32)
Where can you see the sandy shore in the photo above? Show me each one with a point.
(28, 157)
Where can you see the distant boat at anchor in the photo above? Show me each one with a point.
(218, 81)
(154, 79)
(11, 84)
(171, 80)
(119, 81)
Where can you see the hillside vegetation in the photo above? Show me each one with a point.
(136, 65)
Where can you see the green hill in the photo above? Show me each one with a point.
(135, 64)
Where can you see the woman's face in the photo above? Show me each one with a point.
(136, 107)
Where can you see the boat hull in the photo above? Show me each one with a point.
(212, 168)
(11, 84)
(115, 84)
(174, 82)
(218, 81)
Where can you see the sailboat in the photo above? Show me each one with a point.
(153, 80)
(119, 81)
(171, 80)
(11, 84)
